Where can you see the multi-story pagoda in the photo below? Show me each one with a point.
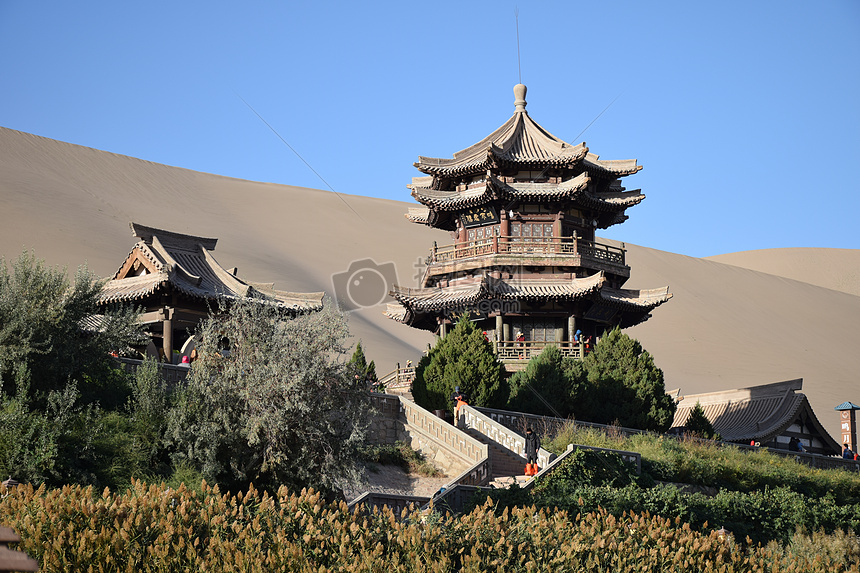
(522, 207)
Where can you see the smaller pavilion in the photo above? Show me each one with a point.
(175, 280)
(771, 415)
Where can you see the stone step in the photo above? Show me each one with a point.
(503, 462)
(505, 482)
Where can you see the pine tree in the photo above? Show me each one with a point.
(545, 387)
(462, 358)
(698, 424)
(625, 385)
(359, 366)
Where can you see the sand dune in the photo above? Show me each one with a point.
(792, 313)
(837, 269)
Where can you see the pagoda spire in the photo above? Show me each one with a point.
(520, 97)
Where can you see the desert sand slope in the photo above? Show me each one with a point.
(837, 269)
(730, 327)
(73, 204)
(726, 326)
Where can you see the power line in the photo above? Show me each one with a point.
(598, 116)
(299, 156)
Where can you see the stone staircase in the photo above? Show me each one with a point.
(503, 462)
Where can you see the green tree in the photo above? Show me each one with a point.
(270, 401)
(358, 364)
(53, 329)
(462, 358)
(548, 386)
(625, 385)
(698, 424)
(617, 382)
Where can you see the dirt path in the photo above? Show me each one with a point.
(393, 479)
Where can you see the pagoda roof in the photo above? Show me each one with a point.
(758, 413)
(443, 298)
(522, 142)
(413, 302)
(164, 261)
(614, 199)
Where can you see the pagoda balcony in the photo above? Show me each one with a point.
(516, 355)
(524, 251)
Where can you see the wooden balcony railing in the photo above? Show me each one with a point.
(524, 350)
(529, 246)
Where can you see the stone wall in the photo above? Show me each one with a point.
(385, 421)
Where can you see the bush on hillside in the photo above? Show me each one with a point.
(270, 400)
(54, 330)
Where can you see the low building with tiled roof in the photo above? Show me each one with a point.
(769, 415)
(522, 207)
(175, 280)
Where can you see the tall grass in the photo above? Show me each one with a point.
(724, 466)
(152, 529)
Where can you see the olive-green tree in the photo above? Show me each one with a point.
(359, 365)
(54, 329)
(625, 385)
(270, 400)
(699, 425)
(462, 358)
(617, 382)
(548, 386)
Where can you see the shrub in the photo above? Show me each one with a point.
(279, 408)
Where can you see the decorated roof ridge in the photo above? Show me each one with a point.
(641, 298)
(519, 140)
(418, 214)
(171, 238)
(186, 263)
(772, 389)
(619, 167)
(437, 298)
(142, 248)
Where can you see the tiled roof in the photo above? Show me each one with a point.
(418, 215)
(617, 167)
(519, 141)
(132, 288)
(185, 264)
(441, 298)
(758, 413)
(534, 289)
(616, 199)
(648, 299)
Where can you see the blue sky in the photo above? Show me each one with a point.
(745, 115)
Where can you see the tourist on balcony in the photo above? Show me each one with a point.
(847, 454)
(587, 343)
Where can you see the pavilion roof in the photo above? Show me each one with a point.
(443, 298)
(614, 199)
(415, 304)
(521, 142)
(164, 260)
(758, 413)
